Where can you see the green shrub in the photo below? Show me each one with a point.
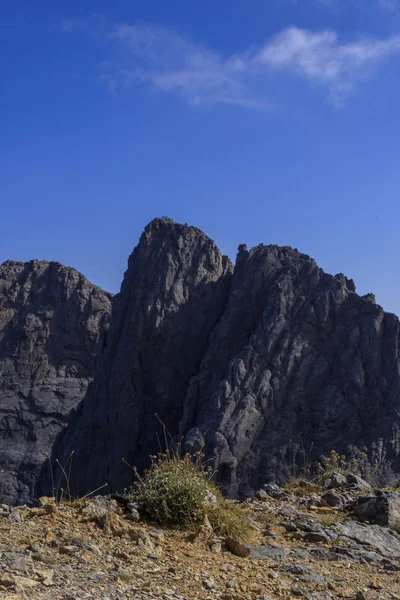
(175, 492)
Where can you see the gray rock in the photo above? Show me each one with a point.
(337, 480)
(380, 507)
(52, 326)
(271, 553)
(236, 547)
(296, 591)
(273, 575)
(292, 363)
(271, 487)
(132, 512)
(382, 540)
(297, 569)
(315, 537)
(262, 495)
(332, 498)
(314, 579)
(356, 482)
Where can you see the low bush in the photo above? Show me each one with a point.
(173, 491)
(179, 492)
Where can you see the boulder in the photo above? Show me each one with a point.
(380, 507)
(336, 480)
(380, 539)
(332, 499)
(357, 483)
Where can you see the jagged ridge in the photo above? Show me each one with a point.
(241, 364)
(246, 363)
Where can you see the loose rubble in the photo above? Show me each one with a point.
(309, 546)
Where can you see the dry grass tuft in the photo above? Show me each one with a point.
(301, 487)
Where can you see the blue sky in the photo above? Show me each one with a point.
(273, 121)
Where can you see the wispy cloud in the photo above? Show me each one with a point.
(171, 63)
(389, 4)
(321, 58)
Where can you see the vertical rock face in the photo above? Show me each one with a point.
(256, 365)
(298, 359)
(52, 324)
(173, 294)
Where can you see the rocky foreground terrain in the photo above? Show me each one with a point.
(308, 542)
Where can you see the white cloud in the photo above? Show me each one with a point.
(321, 58)
(170, 63)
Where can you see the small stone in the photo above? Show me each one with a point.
(273, 575)
(332, 499)
(67, 550)
(236, 547)
(17, 563)
(211, 498)
(6, 581)
(157, 534)
(132, 513)
(262, 495)
(297, 569)
(315, 537)
(37, 512)
(45, 500)
(296, 591)
(216, 547)
(44, 574)
(337, 480)
(25, 582)
(357, 482)
(50, 508)
(204, 533)
(209, 584)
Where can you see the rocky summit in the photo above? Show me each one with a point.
(263, 366)
(257, 366)
(52, 327)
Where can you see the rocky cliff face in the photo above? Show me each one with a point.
(297, 361)
(247, 365)
(52, 325)
(256, 365)
(173, 294)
